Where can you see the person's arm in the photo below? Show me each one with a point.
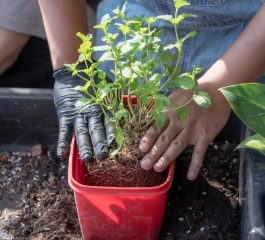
(243, 62)
(9, 52)
(62, 20)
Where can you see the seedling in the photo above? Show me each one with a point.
(143, 68)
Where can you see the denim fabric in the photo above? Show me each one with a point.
(218, 23)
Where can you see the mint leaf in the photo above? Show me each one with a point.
(159, 118)
(202, 99)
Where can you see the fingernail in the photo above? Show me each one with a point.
(159, 165)
(146, 163)
(86, 157)
(191, 174)
(102, 156)
(142, 145)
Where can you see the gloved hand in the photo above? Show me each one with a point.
(90, 126)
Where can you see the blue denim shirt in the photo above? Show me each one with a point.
(218, 24)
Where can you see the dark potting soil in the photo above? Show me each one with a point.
(206, 208)
(37, 203)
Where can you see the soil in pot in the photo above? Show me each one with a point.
(37, 203)
(123, 170)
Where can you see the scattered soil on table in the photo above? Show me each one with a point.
(37, 203)
(44, 205)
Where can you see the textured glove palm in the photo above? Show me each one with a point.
(90, 126)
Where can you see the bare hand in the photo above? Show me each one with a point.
(162, 146)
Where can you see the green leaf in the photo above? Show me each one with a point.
(126, 72)
(101, 26)
(105, 19)
(85, 47)
(151, 20)
(161, 101)
(78, 88)
(248, 102)
(123, 8)
(117, 10)
(81, 57)
(103, 92)
(179, 18)
(159, 118)
(180, 3)
(118, 133)
(165, 17)
(83, 37)
(83, 101)
(148, 64)
(104, 24)
(106, 56)
(171, 70)
(183, 81)
(142, 90)
(202, 99)
(137, 68)
(133, 84)
(165, 57)
(139, 20)
(101, 74)
(158, 32)
(71, 67)
(82, 88)
(189, 35)
(156, 77)
(124, 29)
(144, 99)
(142, 31)
(183, 113)
(123, 113)
(126, 47)
(113, 103)
(93, 66)
(112, 37)
(197, 70)
(101, 48)
(256, 142)
(169, 46)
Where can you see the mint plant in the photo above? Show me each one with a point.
(136, 63)
(248, 102)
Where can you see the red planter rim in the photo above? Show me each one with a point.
(75, 162)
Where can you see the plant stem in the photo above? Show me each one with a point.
(180, 52)
(129, 96)
(147, 124)
(185, 104)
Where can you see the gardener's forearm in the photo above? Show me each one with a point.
(10, 54)
(62, 20)
(245, 59)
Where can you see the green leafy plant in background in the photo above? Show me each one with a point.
(248, 102)
(136, 60)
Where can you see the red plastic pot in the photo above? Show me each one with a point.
(117, 213)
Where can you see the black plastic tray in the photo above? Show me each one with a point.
(252, 193)
(28, 117)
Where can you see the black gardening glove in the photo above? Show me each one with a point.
(90, 125)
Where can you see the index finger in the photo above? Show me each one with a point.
(151, 136)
